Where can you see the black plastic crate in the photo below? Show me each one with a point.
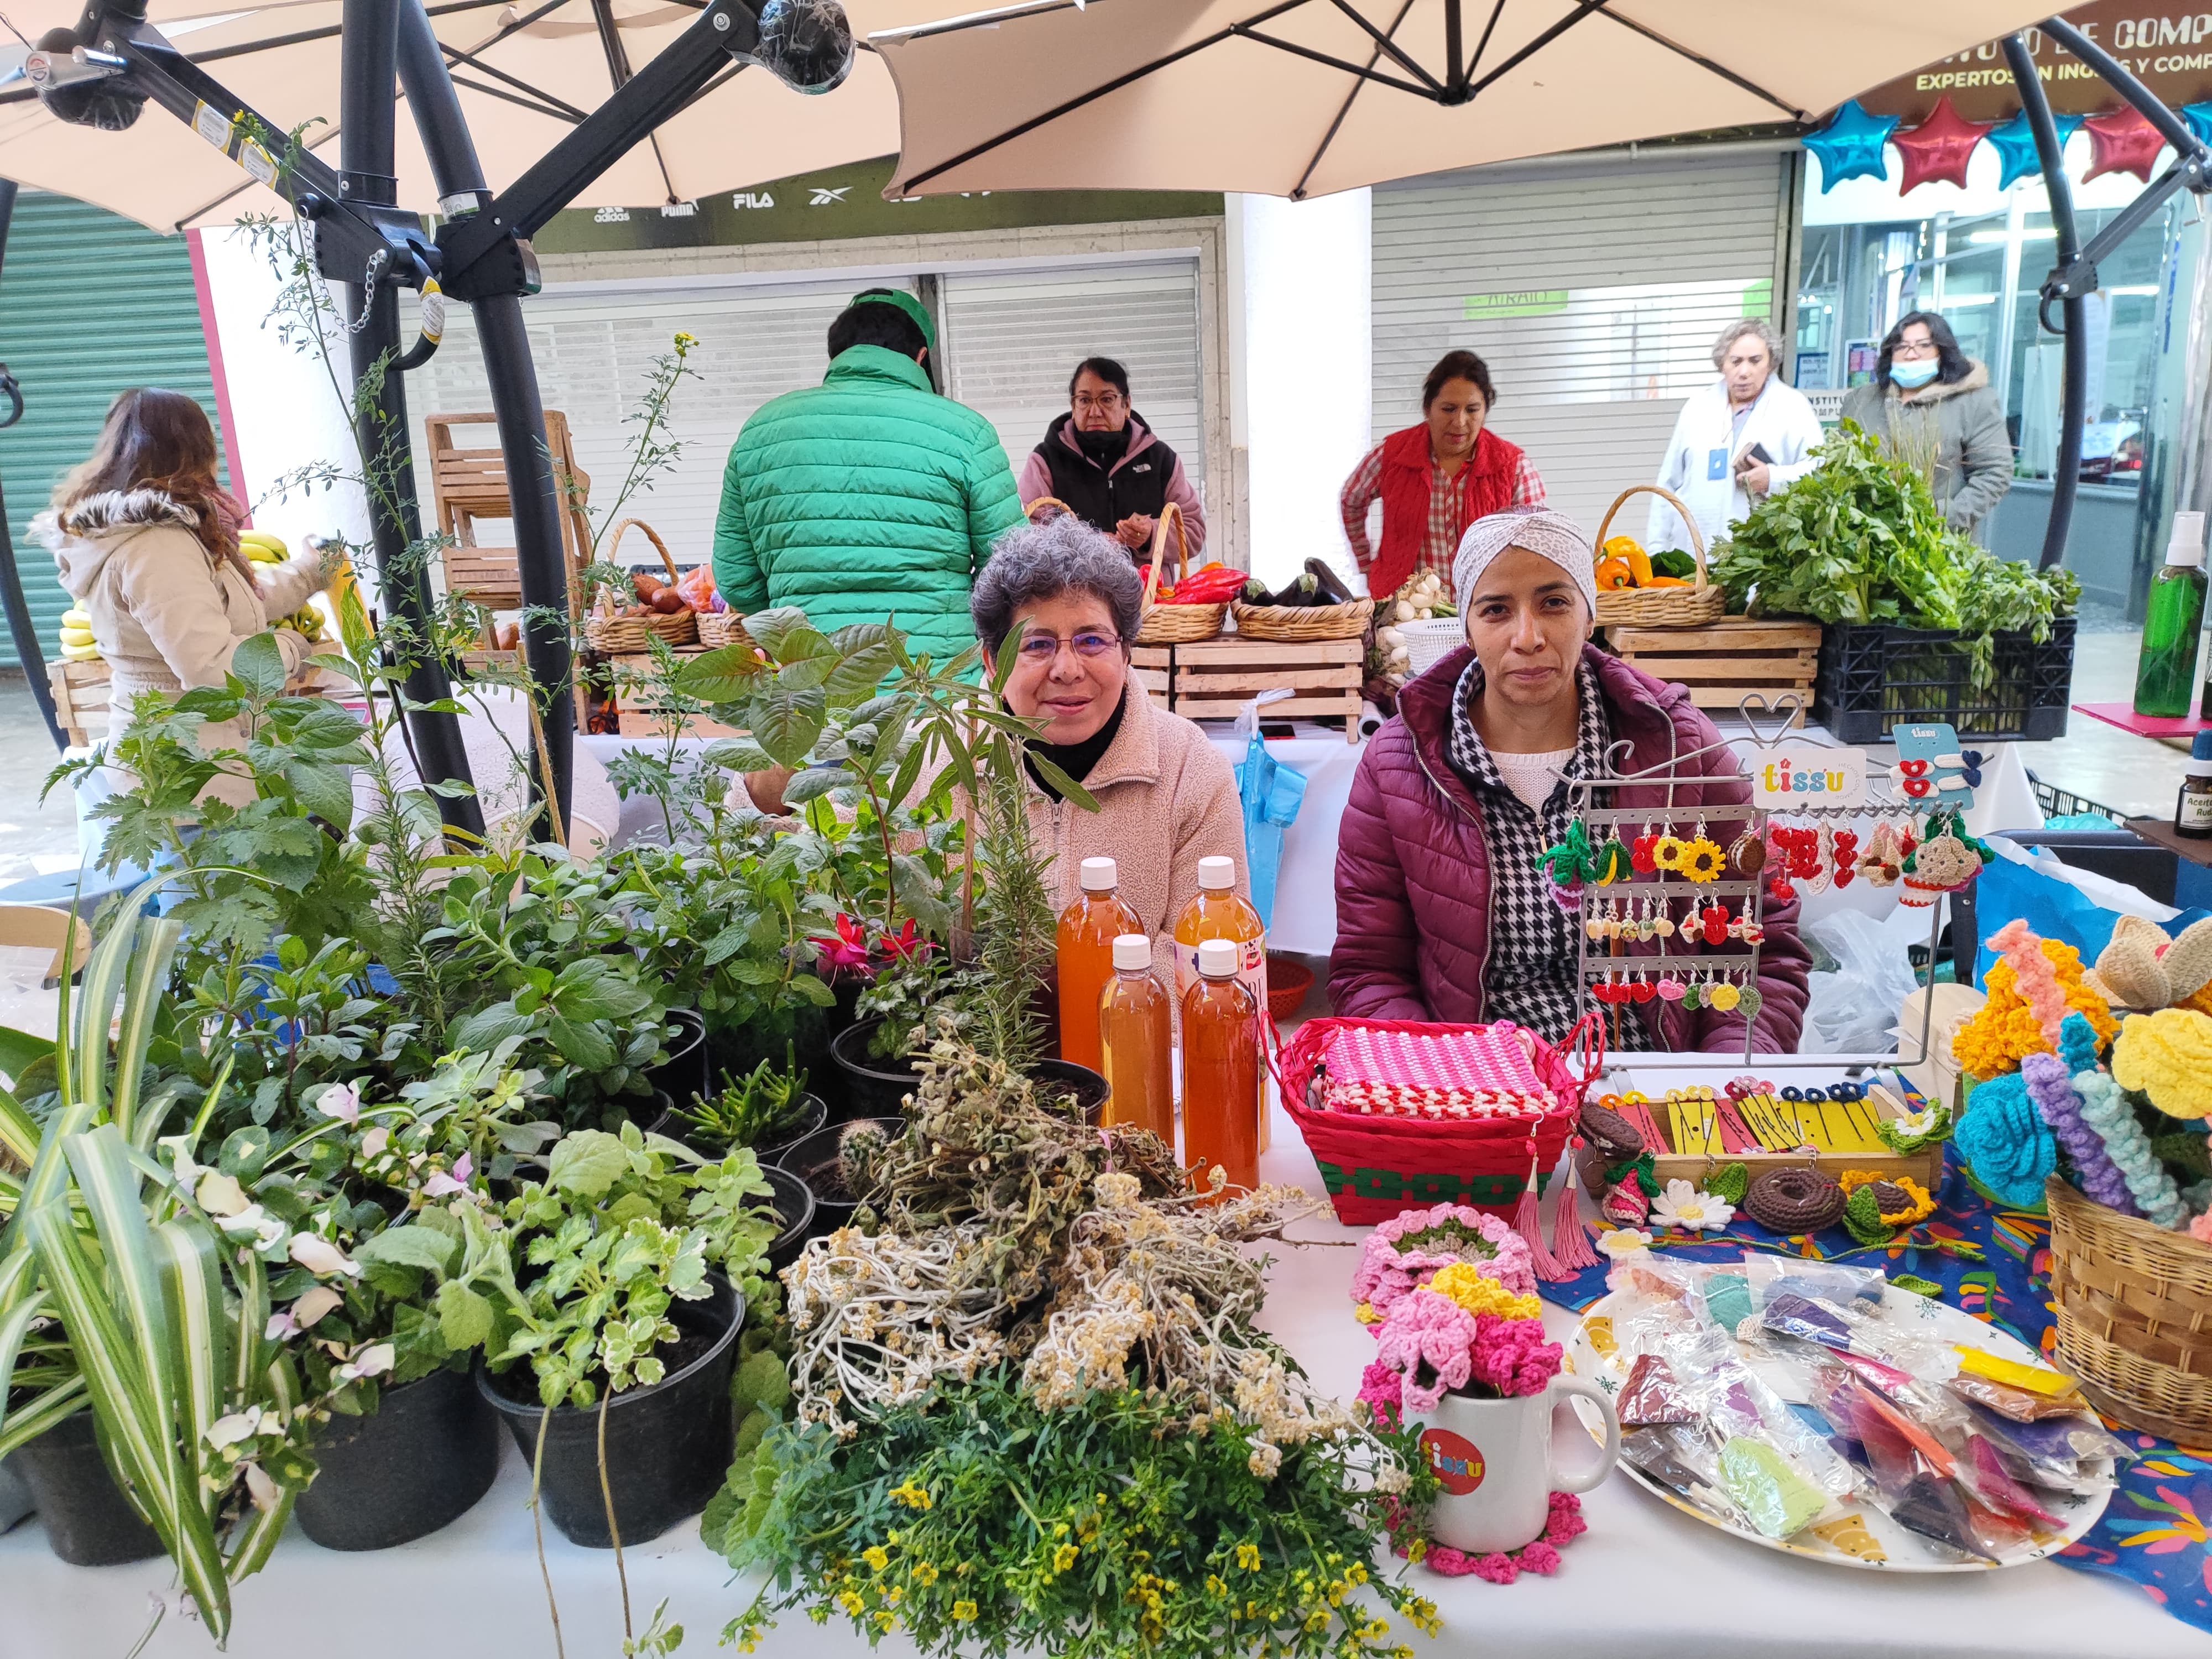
(1875, 678)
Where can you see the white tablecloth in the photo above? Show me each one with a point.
(1645, 1581)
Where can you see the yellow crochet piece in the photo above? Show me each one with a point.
(1919, 1210)
(2168, 1056)
(2005, 1031)
(1478, 1293)
(2039, 1379)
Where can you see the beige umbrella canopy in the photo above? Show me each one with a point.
(1304, 97)
(527, 71)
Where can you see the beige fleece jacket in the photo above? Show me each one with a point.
(166, 614)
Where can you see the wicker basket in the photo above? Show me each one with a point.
(1659, 607)
(1299, 624)
(618, 635)
(721, 627)
(1030, 509)
(1175, 624)
(2135, 1316)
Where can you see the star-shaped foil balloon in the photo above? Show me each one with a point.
(1938, 149)
(1850, 146)
(2015, 145)
(2124, 141)
(2199, 117)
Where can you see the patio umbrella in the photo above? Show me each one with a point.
(1301, 98)
(526, 73)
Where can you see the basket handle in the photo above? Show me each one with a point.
(651, 535)
(1169, 514)
(1030, 509)
(1696, 536)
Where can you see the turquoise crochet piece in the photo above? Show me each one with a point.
(2106, 1111)
(2006, 1140)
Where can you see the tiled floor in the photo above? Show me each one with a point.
(2133, 775)
(35, 840)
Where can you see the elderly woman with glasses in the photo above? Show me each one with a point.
(1167, 797)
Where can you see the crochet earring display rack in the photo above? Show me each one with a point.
(1705, 958)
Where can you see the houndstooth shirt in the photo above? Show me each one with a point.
(1529, 977)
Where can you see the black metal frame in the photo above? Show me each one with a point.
(481, 254)
(2073, 277)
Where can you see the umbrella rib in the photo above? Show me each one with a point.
(1244, 33)
(1583, 8)
(561, 106)
(1104, 89)
(1488, 29)
(1384, 43)
(1704, 62)
(536, 106)
(1344, 110)
(721, 79)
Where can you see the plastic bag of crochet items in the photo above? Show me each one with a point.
(1736, 1403)
(1682, 1458)
(2063, 1453)
(1856, 1326)
(1766, 1276)
(1652, 1301)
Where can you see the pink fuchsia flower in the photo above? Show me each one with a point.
(282, 1327)
(341, 1101)
(905, 944)
(372, 1361)
(443, 1185)
(846, 949)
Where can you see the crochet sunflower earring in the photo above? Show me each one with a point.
(1701, 858)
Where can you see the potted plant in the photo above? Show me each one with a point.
(766, 1110)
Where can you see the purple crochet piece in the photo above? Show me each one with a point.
(2052, 1091)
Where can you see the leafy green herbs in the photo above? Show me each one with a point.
(1860, 539)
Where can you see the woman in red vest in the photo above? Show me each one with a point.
(1435, 479)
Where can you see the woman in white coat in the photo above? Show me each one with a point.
(1710, 462)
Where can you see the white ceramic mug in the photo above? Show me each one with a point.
(1494, 1458)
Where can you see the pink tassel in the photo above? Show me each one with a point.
(1570, 1245)
(1528, 1222)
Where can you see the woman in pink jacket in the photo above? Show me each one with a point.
(1442, 913)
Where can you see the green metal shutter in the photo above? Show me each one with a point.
(90, 305)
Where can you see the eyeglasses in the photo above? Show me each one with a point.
(1104, 400)
(1911, 348)
(1041, 647)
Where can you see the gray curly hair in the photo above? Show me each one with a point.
(1743, 326)
(1041, 560)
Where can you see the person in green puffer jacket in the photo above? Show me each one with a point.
(869, 497)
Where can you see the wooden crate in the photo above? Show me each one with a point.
(80, 698)
(1214, 680)
(1925, 1166)
(1152, 666)
(1725, 661)
(635, 722)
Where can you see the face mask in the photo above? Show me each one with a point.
(1912, 373)
(1102, 446)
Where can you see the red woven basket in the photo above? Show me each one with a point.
(1376, 1167)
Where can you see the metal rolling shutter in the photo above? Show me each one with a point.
(1012, 339)
(1594, 290)
(90, 305)
(594, 352)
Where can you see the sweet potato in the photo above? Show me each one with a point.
(666, 601)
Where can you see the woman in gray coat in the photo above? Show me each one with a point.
(1933, 406)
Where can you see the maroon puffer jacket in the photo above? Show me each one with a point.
(1412, 868)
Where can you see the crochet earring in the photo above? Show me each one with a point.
(1662, 923)
(1701, 858)
(1667, 851)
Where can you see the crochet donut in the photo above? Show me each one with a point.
(1795, 1200)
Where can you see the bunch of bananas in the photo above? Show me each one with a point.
(262, 548)
(76, 637)
(306, 620)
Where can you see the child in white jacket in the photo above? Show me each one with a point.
(1709, 461)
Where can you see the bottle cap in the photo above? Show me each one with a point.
(2200, 746)
(2185, 544)
(1099, 876)
(1217, 872)
(1217, 957)
(1132, 952)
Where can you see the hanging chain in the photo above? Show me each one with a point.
(377, 261)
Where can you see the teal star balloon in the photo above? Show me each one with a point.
(2016, 145)
(2199, 117)
(1850, 146)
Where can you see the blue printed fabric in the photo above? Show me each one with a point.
(1994, 1264)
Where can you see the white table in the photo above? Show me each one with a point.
(1645, 1581)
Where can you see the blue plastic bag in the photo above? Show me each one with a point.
(2052, 907)
(1272, 793)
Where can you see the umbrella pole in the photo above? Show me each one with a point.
(2067, 476)
(368, 114)
(515, 401)
(21, 628)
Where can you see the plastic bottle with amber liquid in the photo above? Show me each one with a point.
(1135, 1036)
(1088, 928)
(1221, 1077)
(1218, 913)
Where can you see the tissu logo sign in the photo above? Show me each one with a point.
(1456, 1461)
(1803, 774)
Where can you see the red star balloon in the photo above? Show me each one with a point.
(2122, 142)
(1938, 148)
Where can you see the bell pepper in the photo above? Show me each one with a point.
(1613, 575)
(1217, 584)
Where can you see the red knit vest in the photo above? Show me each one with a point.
(1483, 486)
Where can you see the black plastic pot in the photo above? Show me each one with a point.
(684, 1073)
(89, 1522)
(873, 1088)
(1065, 1077)
(651, 1113)
(419, 1461)
(795, 1207)
(668, 1446)
(813, 1161)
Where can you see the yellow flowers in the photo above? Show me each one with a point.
(850, 1601)
(1480, 1294)
(924, 1573)
(964, 1610)
(1248, 1557)
(877, 1557)
(684, 341)
(1064, 1558)
(912, 1496)
(1216, 1584)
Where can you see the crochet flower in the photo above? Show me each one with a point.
(1701, 861)
(1446, 1233)
(2005, 1140)
(1687, 1209)
(1623, 1241)
(1480, 1294)
(1425, 1331)
(2006, 1028)
(2168, 1056)
(2052, 1092)
(1511, 1356)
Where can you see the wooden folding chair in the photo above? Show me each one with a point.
(468, 482)
(35, 926)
